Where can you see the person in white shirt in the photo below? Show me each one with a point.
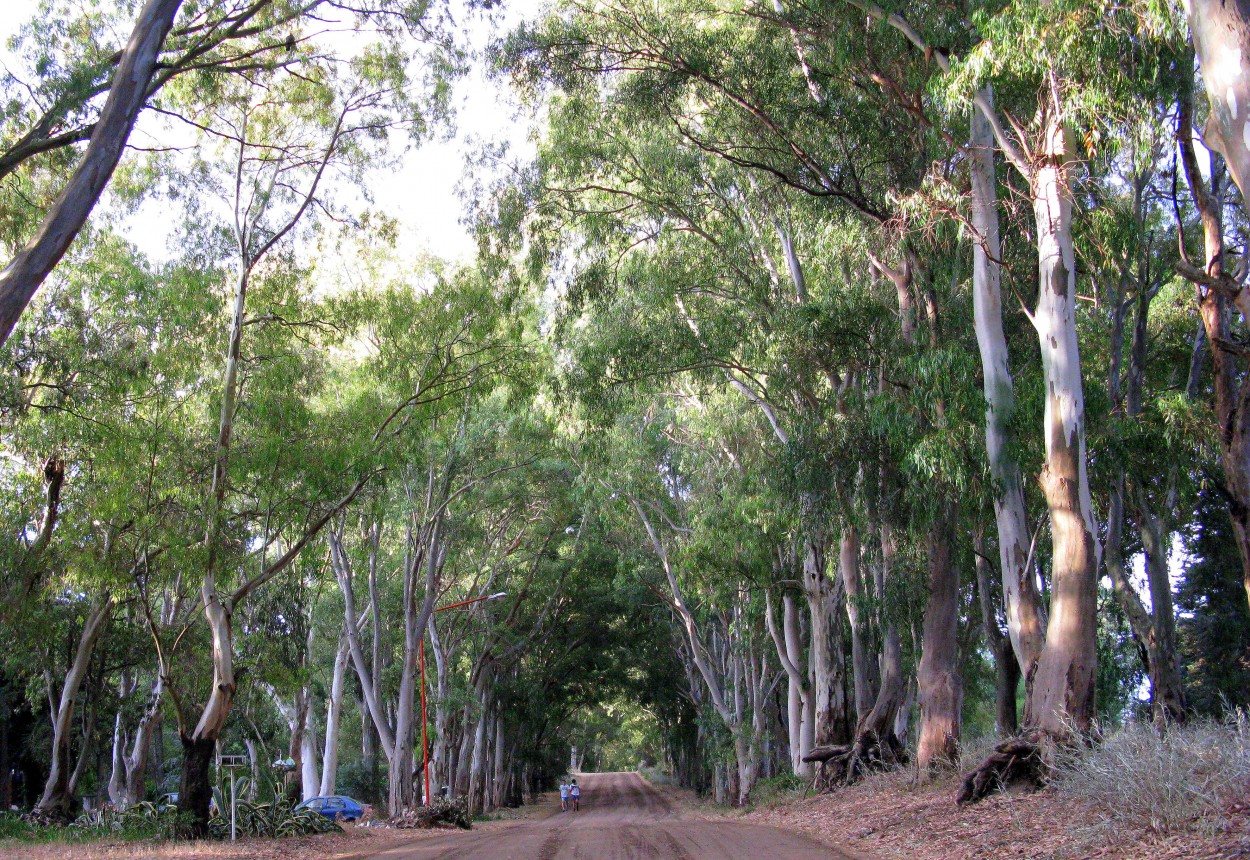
(575, 794)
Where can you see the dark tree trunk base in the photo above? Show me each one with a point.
(196, 790)
(55, 815)
(1016, 761)
(846, 763)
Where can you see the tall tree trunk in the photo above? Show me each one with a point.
(334, 708)
(1020, 595)
(1217, 290)
(440, 758)
(1167, 688)
(1153, 629)
(861, 656)
(57, 800)
(1060, 695)
(310, 773)
(832, 724)
(799, 723)
(365, 673)
(497, 778)
(938, 677)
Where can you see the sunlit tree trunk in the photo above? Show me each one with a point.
(1221, 34)
(1023, 606)
(57, 800)
(1061, 685)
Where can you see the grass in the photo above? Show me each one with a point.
(92, 828)
(1186, 777)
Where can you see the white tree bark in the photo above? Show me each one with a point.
(334, 708)
(1061, 695)
(1020, 596)
(56, 798)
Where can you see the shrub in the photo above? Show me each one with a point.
(1163, 782)
(141, 821)
(362, 781)
(777, 789)
(657, 776)
(276, 819)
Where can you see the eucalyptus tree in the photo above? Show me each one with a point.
(1221, 292)
(699, 530)
(700, 136)
(1153, 348)
(617, 164)
(87, 391)
(70, 51)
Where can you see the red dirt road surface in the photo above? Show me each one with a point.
(622, 817)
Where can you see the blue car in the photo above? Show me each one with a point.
(334, 807)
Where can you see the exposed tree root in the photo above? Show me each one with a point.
(49, 816)
(846, 763)
(1014, 761)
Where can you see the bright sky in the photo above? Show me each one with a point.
(421, 195)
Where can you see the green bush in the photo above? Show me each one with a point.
(13, 826)
(141, 821)
(272, 820)
(777, 788)
(362, 782)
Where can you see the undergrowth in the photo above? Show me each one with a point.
(656, 776)
(141, 822)
(1184, 778)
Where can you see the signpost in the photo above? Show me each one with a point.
(231, 763)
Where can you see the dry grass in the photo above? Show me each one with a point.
(1139, 779)
(1137, 796)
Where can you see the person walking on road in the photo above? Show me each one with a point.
(564, 796)
(575, 794)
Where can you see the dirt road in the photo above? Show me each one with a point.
(622, 817)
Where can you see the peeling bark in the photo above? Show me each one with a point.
(1061, 684)
(1020, 595)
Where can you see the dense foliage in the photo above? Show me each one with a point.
(837, 377)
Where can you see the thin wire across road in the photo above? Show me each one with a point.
(622, 817)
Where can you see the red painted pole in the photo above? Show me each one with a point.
(425, 744)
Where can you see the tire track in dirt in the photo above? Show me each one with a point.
(622, 817)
